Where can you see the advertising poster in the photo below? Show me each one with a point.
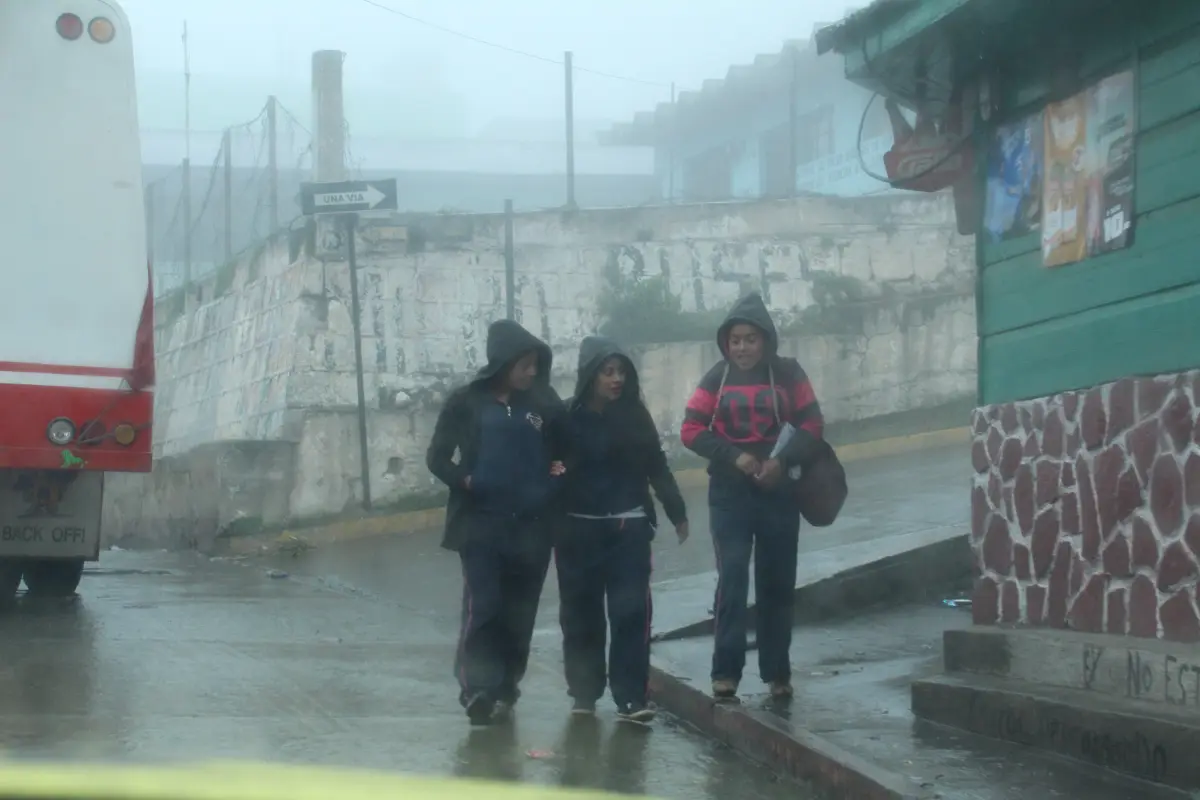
(1112, 127)
(1065, 183)
(1013, 205)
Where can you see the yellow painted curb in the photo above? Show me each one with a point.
(413, 521)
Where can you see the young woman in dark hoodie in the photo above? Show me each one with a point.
(603, 551)
(508, 428)
(733, 420)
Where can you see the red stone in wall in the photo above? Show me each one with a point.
(1085, 509)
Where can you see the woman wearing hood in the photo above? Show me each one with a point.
(733, 420)
(508, 429)
(603, 551)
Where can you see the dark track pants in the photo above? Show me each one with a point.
(599, 560)
(504, 569)
(745, 521)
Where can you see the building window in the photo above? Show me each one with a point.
(774, 167)
(709, 176)
(814, 135)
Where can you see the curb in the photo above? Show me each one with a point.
(820, 765)
(925, 573)
(303, 538)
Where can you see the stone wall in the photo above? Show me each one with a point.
(1086, 509)
(259, 357)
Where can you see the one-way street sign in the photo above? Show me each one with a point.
(348, 196)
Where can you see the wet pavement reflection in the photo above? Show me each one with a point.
(176, 658)
(341, 657)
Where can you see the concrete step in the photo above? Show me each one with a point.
(1149, 673)
(1155, 744)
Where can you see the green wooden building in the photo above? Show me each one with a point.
(1087, 442)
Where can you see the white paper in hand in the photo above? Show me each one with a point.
(786, 432)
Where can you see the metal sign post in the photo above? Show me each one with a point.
(345, 199)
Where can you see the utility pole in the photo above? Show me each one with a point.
(570, 113)
(273, 161)
(227, 155)
(186, 186)
(187, 96)
(186, 189)
(351, 227)
(329, 166)
(510, 266)
(672, 145)
(793, 119)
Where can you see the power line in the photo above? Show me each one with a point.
(506, 48)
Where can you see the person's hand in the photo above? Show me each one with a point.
(748, 464)
(770, 474)
(557, 468)
(681, 531)
(467, 483)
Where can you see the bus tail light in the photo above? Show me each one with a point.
(124, 434)
(69, 26)
(60, 431)
(101, 30)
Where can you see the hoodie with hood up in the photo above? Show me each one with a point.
(616, 455)
(735, 411)
(505, 448)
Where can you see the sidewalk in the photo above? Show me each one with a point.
(385, 525)
(850, 729)
(896, 503)
(850, 732)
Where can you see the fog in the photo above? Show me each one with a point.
(416, 68)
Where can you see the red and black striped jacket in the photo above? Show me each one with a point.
(736, 411)
(733, 412)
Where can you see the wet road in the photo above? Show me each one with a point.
(169, 657)
(343, 660)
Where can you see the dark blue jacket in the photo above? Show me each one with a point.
(636, 446)
(458, 426)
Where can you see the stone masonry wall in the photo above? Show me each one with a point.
(1086, 509)
(258, 360)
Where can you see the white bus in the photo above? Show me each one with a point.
(76, 332)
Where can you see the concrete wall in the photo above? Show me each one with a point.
(262, 357)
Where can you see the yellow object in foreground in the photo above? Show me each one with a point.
(236, 781)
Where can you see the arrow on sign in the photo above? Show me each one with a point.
(370, 196)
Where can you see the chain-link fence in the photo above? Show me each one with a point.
(200, 216)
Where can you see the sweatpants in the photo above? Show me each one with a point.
(601, 561)
(746, 520)
(504, 569)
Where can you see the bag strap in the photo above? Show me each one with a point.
(721, 389)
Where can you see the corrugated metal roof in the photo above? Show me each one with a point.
(877, 13)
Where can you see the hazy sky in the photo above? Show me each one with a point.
(402, 77)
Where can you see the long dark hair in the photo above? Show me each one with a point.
(633, 426)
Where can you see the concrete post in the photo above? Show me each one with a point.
(329, 120)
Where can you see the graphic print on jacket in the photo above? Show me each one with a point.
(736, 411)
